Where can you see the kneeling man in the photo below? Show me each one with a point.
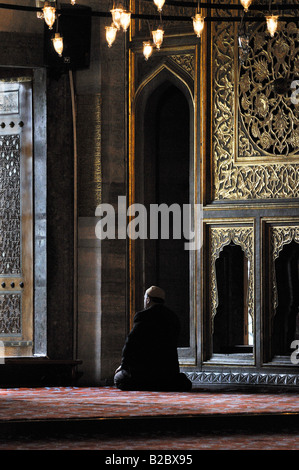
(149, 357)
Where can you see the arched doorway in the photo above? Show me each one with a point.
(164, 152)
(285, 322)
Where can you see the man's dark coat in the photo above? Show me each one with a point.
(150, 349)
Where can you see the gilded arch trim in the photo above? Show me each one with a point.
(280, 236)
(156, 73)
(219, 238)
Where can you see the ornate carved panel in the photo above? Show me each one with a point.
(16, 213)
(254, 130)
(185, 61)
(10, 314)
(219, 238)
(9, 102)
(10, 217)
(268, 120)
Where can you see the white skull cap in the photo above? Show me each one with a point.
(155, 291)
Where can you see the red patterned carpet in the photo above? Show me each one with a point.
(193, 420)
(54, 403)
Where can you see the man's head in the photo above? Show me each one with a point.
(153, 295)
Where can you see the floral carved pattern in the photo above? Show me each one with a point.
(10, 314)
(185, 61)
(219, 238)
(255, 179)
(267, 118)
(10, 205)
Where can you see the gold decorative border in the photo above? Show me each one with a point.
(89, 153)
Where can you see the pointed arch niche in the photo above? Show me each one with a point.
(281, 312)
(162, 147)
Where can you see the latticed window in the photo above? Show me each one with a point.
(16, 247)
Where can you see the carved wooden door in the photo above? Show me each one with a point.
(16, 220)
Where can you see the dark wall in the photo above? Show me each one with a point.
(60, 226)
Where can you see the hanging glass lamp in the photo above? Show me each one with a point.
(159, 4)
(147, 49)
(49, 14)
(246, 4)
(272, 24)
(198, 24)
(125, 19)
(58, 44)
(158, 37)
(110, 34)
(116, 15)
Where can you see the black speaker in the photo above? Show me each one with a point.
(74, 25)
